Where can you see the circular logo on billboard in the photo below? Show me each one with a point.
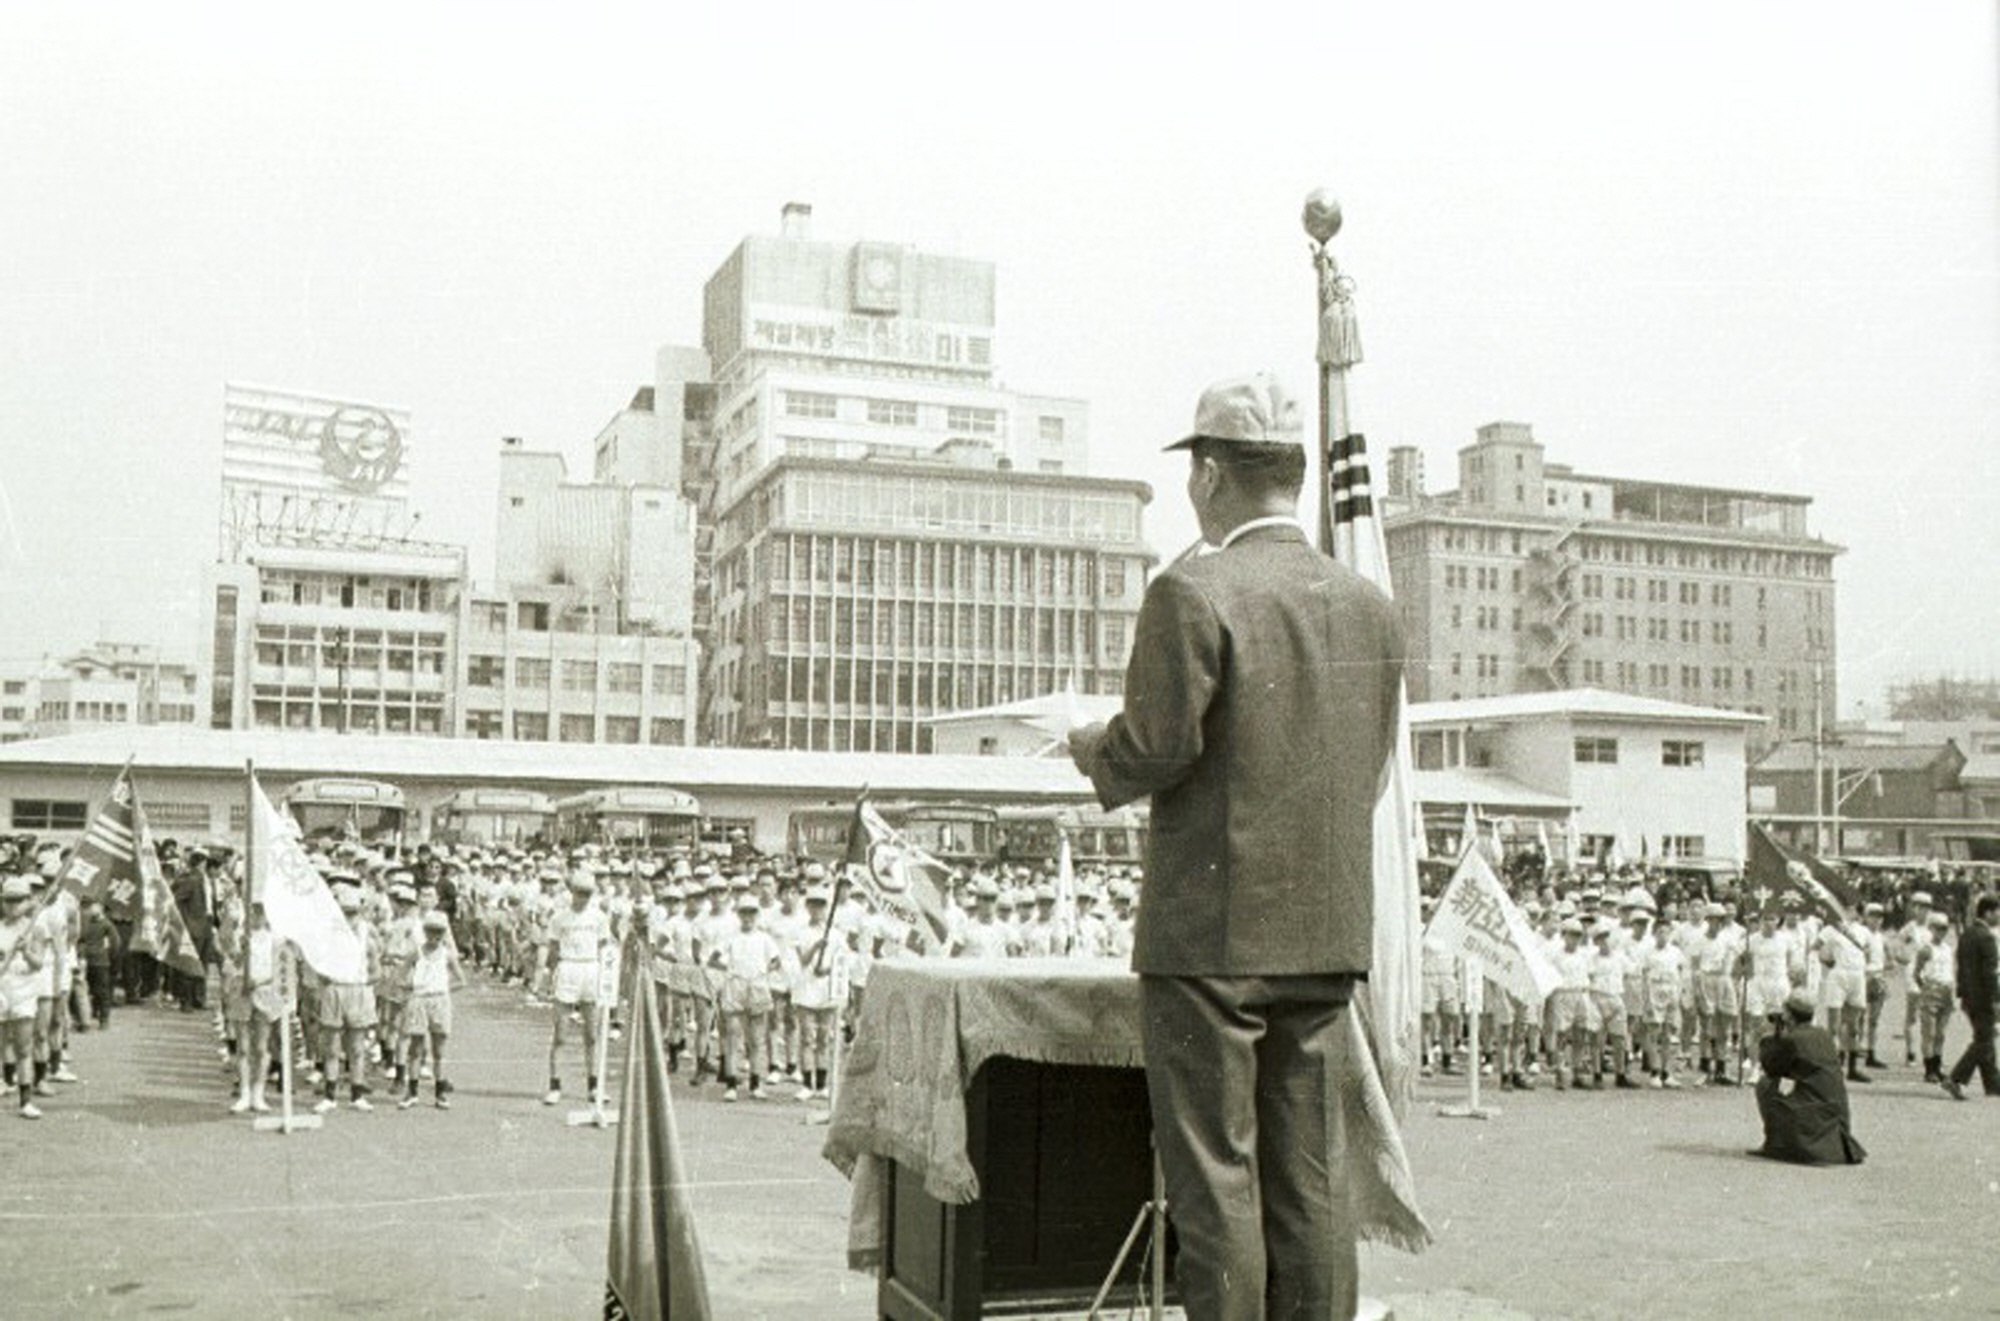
(360, 448)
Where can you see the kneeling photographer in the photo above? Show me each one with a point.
(1802, 1096)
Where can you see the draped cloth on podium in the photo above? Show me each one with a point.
(928, 1025)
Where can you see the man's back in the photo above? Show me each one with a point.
(1260, 708)
(1978, 966)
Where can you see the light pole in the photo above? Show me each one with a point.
(336, 651)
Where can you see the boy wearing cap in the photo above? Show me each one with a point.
(250, 973)
(1875, 969)
(817, 988)
(747, 958)
(1910, 937)
(24, 958)
(1440, 1000)
(1663, 974)
(1716, 996)
(402, 936)
(1937, 980)
(577, 937)
(427, 1017)
(347, 1014)
(1607, 998)
(1573, 1017)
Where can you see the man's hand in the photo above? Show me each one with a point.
(1083, 741)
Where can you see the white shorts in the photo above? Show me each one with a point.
(1843, 988)
(1761, 998)
(576, 982)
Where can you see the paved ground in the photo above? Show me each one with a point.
(138, 1195)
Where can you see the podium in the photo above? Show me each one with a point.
(1064, 1159)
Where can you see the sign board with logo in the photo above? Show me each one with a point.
(306, 468)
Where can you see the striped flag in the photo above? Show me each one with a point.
(158, 928)
(105, 865)
(1391, 998)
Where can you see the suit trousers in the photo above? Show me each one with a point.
(1979, 1054)
(1243, 1078)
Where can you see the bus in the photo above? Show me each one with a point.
(1029, 835)
(493, 816)
(630, 816)
(961, 834)
(332, 809)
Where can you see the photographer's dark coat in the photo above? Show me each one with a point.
(1810, 1123)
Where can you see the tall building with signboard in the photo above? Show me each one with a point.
(323, 611)
(842, 414)
(1533, 576)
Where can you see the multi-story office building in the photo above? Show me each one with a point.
(1533, 576)
(842, 404)
(856, 599)
(336, 638)
(111, 683)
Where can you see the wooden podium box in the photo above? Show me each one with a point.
(1064, 1159)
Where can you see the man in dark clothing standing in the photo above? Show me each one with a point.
(1807, 1122)
(1260, 711)
(1978, 988)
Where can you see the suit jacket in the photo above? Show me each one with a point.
(1810, 1122)
(1260, 708)
(1978, 968)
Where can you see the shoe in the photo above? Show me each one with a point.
(729, 1093)
(361, 1103)
(1656, 1082)
(1854, 1074)
(554, 1096)
(424, 1073)
(1425, 1071)
(42, 1088)
(408, 1100)
(1724, 1080)
(756, 1093)
(326, 1106)
(239, 1105)
(805, 1094)
(1671, 1083)
(1955, 1088)
(443, 1100)
(1522, 1082)
(30, 1111)
(258, 1105)
(1873, 1062)
(64, 1074)
(1625, 1084)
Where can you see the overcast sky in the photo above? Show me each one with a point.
(1735, 243)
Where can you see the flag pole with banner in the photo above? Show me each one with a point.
(286, 1120)
(653, 1269)
(1349, 530)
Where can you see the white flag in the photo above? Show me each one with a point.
(1476, 920)
(297, 903)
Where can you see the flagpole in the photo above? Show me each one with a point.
(1339, 345)
(284, 970)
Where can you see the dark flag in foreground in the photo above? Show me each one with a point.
(654, 1265)
(901, 878)
(159, 929)
(1775, 871)
(105, 866)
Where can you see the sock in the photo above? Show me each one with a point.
(555, 1083)
(27, 1091)
(41, 1070)
(593, 1085)
(7, 1072)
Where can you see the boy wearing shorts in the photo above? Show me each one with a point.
(427, 1015)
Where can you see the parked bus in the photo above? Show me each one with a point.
(493, 816)
(631, 816)
(961, 834)
(1029, 835)
(334, 809)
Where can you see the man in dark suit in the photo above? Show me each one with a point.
(1260, 713)
(1802, 1096)
(1978, 989)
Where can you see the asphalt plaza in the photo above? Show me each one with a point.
(139, 1195)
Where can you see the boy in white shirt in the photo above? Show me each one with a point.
(746, 958)
(427, 1014)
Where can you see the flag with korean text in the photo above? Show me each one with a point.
(105, 865)
(1774, 871)
(158, 928)
(901, 878)
(298, 906)
(1392, 996)
(1476, 920)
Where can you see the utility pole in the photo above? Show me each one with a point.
(1819, 754)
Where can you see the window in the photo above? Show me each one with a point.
(1683, 846)
(964, 421)
(533, 616)
(1052, 430)
(178, 816)
(803, 403)
(49, 814)
(623, 677)
(579, 676)
(486, 671)
(1680, 752)
(482, 724)
(892, 412)
(1597, 751)
(668, 731)
(531, 673)
(576, 729)
(621, 729)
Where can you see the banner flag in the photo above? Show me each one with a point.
(653, 1268)
(105, 865)
(1774, 871)
(1065, 891)
(902, 879)
(298, 906)
(158, 928)
(1392, 996)
(1476, 920)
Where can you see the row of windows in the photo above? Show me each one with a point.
(1621, 550)
(110, 712)
(921, 685)
(921, 626)
(954, 504)
(872, 565)
(534, 727)
(49, 814)
(1673, 752)
(1625, 675)
(959, 419)
(577, 676)
(354, 591)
